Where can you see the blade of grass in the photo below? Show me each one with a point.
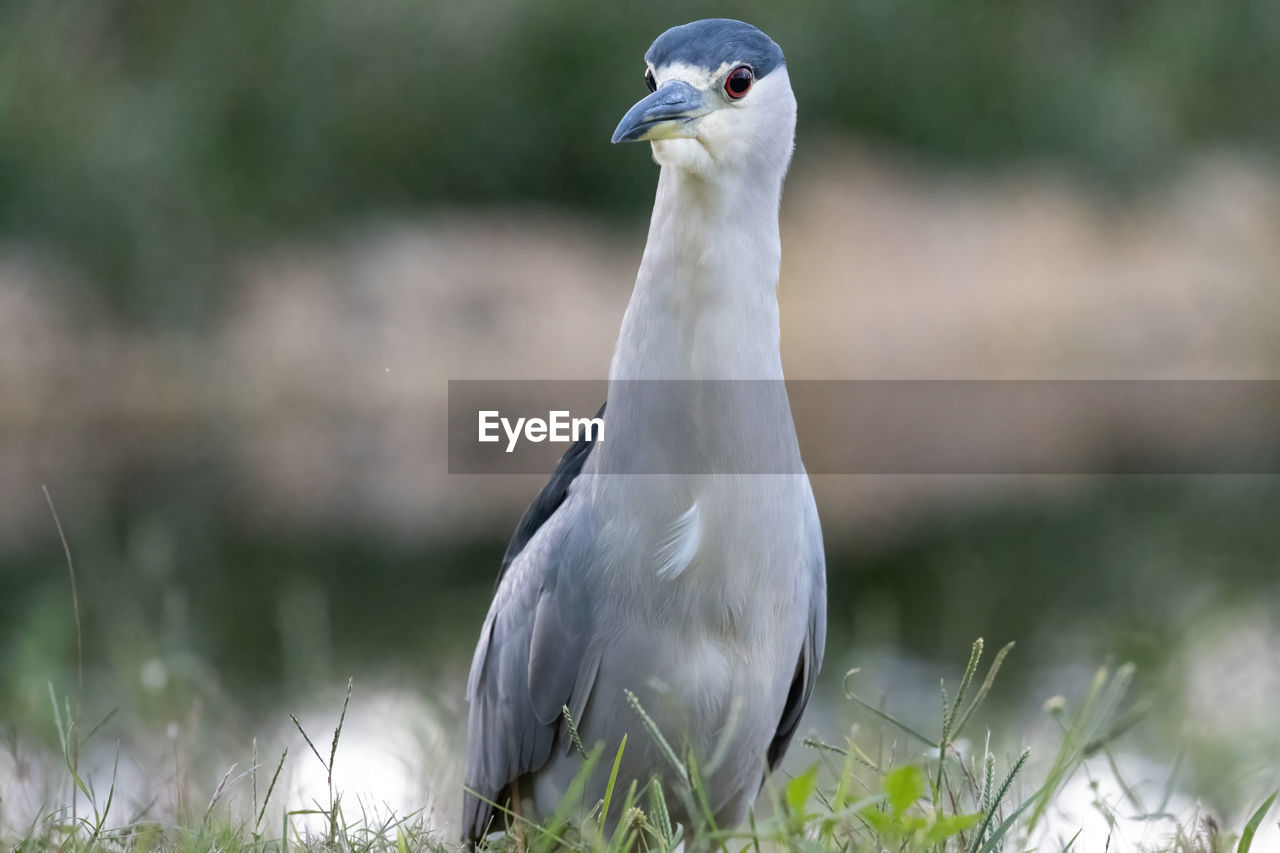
(995, 805)
(1122, 723)
(613, 779)
(303, 732)
(1251, 828)
(975, 655)
(57, 718)
(217, 792)
(661, 812)
(337, 733)
(1130, 793)
(891, 719)
(623, 830)
(700, 793)
(984, 689)
(992, 845)
(270, 788)
(93, 731)
(253, 763)
(334, 802)
(75, 609)
(949, 715)
(988, 779)
(652, 728)
(574, 737)
(1070, 753)
(111, 795)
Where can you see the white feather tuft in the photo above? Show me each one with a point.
(679, 545)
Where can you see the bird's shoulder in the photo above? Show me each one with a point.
(549, 500)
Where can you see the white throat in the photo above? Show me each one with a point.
(705, 303)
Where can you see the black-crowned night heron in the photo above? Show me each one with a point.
(703, 593)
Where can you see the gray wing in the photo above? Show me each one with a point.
(810, 661)
(534, 657)
(548, 500)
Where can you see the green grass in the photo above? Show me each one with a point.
(887, 784)
(869, 791)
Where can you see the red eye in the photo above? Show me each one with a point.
(739, 82)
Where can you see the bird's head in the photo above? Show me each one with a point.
(720, 100)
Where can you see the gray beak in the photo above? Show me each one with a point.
(669, 113)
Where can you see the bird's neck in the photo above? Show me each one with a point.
(705, 302)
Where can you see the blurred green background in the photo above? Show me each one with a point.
(144, 139)
(244, 244)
